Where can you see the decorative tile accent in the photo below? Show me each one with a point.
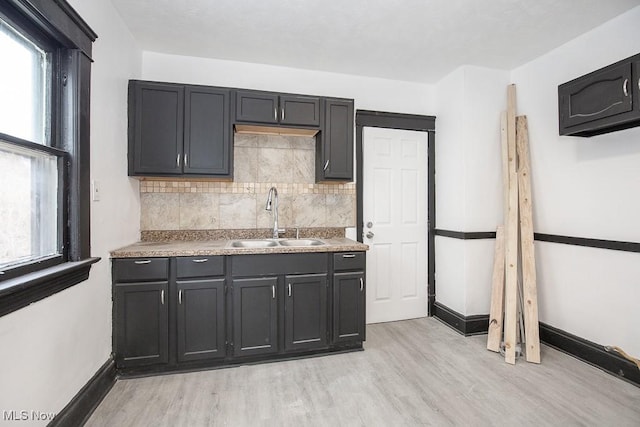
(261, 162)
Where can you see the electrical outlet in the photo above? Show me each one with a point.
(95, 191)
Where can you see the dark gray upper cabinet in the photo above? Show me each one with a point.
(179, 130)
(603, 101)
(273, 108)
(207, 133)
(256, 107)
(200, 329)
(299, 110)
(255, 316)
(306, 312)
(334, 151)
(156, 113)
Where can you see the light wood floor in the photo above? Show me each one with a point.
(415, 372)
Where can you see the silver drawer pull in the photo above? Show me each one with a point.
(349, 256)
(273, 291)
(361, 284)
(326, 165)
(624, 87)
(289, 289)
(144, 261)
(162, 297)
(180, 297)
(201, 260)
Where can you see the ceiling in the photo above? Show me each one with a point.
(412, 40)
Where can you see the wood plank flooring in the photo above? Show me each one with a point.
(414, 372)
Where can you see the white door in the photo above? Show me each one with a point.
(395, 223)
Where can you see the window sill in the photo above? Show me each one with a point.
(21, 291)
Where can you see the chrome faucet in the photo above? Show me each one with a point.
(272, 199)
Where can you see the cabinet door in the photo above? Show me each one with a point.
(305, 312)
(348, 306)
(207, 131)
(255, 316)
(200, 327)
(599, 95)
(335, 160)
(257, 107)
(141, 319)
(156, 128)
(299, 110)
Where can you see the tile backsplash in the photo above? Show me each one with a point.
(260, 162)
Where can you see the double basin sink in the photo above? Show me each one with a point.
(270, 243)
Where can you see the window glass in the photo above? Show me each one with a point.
(24, 87)
(28, 205)
(29, 178)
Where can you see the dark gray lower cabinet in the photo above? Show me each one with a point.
(189, 312)
(141, 317)
(255, 316)
(306, 312)
(348, 306)
(200, 329)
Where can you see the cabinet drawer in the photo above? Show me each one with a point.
(137, 269)
(348, 261)
(200, 266)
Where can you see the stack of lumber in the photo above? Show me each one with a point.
(514, 293)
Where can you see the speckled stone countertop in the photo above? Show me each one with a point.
(223, 247)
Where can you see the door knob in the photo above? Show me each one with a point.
(370, 235)
(369, 224)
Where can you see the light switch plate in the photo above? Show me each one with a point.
(95, 191)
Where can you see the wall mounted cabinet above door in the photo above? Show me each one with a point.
(179, 130)
(603, 101)
(276, 109)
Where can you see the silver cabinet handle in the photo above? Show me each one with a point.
(179, 297)
(275, 113)
(289, 287)
(638, 83)
(178, 160)
(186, 159)
(282, 116)
(162, 297)
(326, 165)
(144, 261)
(361, 284)
(624, 87)
(199, 261)
(349, 256)
(273, 291)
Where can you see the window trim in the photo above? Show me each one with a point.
(70, 137)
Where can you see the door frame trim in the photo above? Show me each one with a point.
(379, 119)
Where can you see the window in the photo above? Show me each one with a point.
(29, 172)
(45, 51)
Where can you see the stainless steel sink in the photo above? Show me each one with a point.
(302, 242)
(261, 243)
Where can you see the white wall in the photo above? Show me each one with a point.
(53, 347)
(369, 93)
(584, 187)
(468, 183)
